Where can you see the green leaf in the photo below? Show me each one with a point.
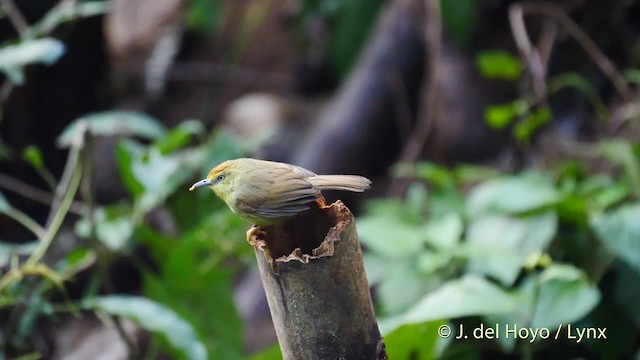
(498, 64)
(621, 153)
(474, 173)
(499, 245)
(403, 277)
(518, 194)
(632, 75)
(564, 296)
(179, 136)
(126, 152)
(619, 230)
(7, 250)
(414, 341)
(189, 279)
(429, 262)
(33, 156)
(500, 116)
(115, 123)
(611, 195)
(75, 261)
(13, 58)
(271, 353)
(434, 174)
(468, 296)
(153, 317)
(390, 236)
(114, 226)
(203, 15)
(525, 129)
(444, 232)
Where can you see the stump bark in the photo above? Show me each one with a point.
(313, 274)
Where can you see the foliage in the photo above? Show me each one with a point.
(350, 23)
(188, 271)
(528, 249)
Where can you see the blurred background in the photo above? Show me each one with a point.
(502, 138)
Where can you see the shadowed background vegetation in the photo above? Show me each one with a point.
(502, 139)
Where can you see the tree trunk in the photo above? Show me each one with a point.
(316, 287)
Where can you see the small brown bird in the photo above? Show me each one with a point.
(267, 192)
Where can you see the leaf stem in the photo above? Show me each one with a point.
(27, 222)
(59, 216)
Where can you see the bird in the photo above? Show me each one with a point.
(268, 192)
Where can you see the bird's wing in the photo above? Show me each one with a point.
(288, 193)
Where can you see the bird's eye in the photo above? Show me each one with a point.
(220, 178)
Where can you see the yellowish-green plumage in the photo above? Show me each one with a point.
(265, 192)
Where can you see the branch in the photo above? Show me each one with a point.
(15, 16)
(516, 19)
(35, 194)
(431, 100)
(319, 298)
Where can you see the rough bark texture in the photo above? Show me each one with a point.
(317, 290)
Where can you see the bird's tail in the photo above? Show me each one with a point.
(340, 182)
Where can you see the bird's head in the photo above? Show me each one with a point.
(219, 180)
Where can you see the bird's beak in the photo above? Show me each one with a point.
(201, 183)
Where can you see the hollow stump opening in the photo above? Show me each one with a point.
(313, 274)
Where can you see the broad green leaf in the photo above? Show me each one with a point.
(114, 226)
(189, 279)
(468, 296)
(525, 129)
(127, 152)
(517, 194)
(500, 116)
(153, 317)
(621, 153)
(36, 51)
(414, 341)
(498, 245)
(498, 64)
(564, 296)
(444, 232)
(160, 176)
(33, 156)
(429, 262)
(403, 277)
(8, 249)
(611, 195)
(390, 236)
(417, 199)
(114, 123)
(619, 230)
